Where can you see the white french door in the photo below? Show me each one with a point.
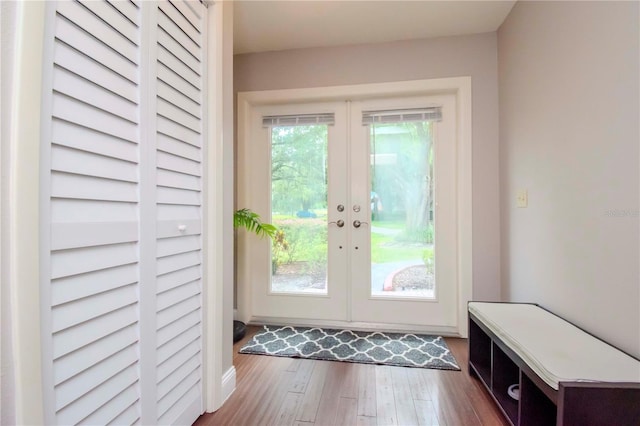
(365, 194)
(403, 174)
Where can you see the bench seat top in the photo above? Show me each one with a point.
(556, 350)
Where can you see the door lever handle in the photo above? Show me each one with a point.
(357, 223)
(340, 223)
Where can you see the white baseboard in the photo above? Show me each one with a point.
(228, 383)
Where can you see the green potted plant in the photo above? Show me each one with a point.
(250, 220)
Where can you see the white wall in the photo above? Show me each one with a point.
(569, 109)
(474, 56)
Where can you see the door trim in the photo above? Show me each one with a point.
(460, 86)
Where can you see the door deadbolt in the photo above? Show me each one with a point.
(340, 208)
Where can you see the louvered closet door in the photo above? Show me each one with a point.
(103, 171)
(179, 104)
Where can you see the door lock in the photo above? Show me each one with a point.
(340, 208)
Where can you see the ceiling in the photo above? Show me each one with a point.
(268, 25)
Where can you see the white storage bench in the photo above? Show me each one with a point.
(542, 370)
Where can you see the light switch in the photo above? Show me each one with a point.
(522, 199)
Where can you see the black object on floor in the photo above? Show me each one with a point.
(239, 330)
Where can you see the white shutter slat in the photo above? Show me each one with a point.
(180, 68)
(130, 416)
(90, 93)
(76, 287)
(78, 261)
(127, 8)
(182, 244)
(175, 163)
(71, 210)
(116, 408)
(96, 27)
(84, 310)
(179, 51)
(177, 295)
(178, 310)
(91, 188)
(174, 346)
(175, 24)
(185, 407)
(187, 10)
(85, 67)
(177, 278)
(178, 148)
(171, 179)
(85, 115)
(178, 261)
(177, 98)
(173, 113)
(177, 359)
(184, 391)
(72, 339)
(179, 374)
(69, 160)
(179, 83)
(176, 131)
(68, 134)
(178, 327)
(172, 213)
(120, 23)
(97, 397)
(80, 360)
(78, 39)
(178, 196)
(94, 376)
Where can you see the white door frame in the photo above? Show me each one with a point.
(460, 86)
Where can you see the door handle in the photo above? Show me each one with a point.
(357, 223)
(340, 223)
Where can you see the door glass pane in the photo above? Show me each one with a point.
(299, 209)
(402, 201)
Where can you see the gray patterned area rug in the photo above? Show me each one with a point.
(406, 350)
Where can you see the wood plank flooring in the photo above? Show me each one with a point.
(289, 391)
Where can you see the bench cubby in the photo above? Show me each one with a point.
(589, 383)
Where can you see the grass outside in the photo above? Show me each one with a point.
(308, 243)
(384, 250)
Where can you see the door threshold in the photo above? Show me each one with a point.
(449, 331)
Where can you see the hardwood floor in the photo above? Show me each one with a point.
(289, 391)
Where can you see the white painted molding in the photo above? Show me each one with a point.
(219, 383)
(24, 212)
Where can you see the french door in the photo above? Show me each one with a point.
(364, 196)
